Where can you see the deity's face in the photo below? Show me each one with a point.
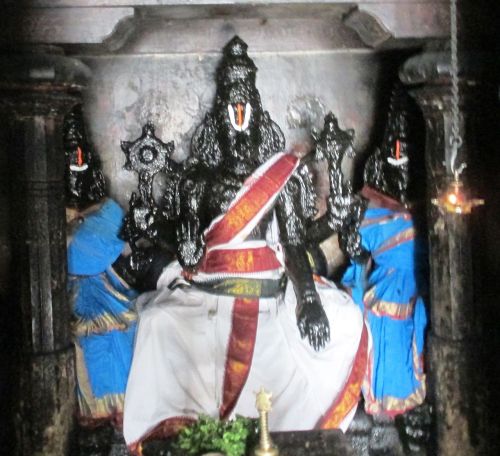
(237, 136)
(77, 170)
(396, 168)
(239, 111)
(238, 97)
(76, 158)
(396, 148)
(396, 142)
(84, 181)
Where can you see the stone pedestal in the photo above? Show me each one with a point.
(36, 91)
(452, 384)
(294, 443)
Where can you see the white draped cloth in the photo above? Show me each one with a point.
(180, 357)
(181, 365)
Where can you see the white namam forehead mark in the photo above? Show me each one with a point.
(397, 162)
(246, 119)
(78, 168)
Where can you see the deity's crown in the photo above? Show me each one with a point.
(236, 65)
(399, 105)
(73, 125)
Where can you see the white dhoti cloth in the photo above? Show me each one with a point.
(179, 362)
(203, 353)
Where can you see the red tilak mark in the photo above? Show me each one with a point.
(79, 156)
(398, 146)
(239, 109)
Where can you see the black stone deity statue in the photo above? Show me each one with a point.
(241, 304)
(397, 273)
(235, 138)
(387, 170)
(85, 183)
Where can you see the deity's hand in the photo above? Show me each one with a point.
(312, 320)
(190, 247)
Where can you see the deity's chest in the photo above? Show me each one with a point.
(221, 193)
(219, 198)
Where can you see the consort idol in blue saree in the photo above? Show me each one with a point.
(104, 319)
(390, 286)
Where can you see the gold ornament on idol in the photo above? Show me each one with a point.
(263, 405)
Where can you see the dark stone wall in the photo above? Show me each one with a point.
(485, 182)
(481, 39)
(304, 71)
(175, 91)
(9, 311)
(300, 80)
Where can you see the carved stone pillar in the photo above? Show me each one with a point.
(452, 383)
(36, 91)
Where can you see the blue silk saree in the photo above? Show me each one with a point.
(104, 319)
(389, 291)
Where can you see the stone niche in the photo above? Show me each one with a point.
(158, 64)
(156, 59)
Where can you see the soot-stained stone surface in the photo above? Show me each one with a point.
(407, 435)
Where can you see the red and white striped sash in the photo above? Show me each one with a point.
(228, 255)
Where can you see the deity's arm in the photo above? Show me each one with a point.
(311, 318)
(190, 244)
